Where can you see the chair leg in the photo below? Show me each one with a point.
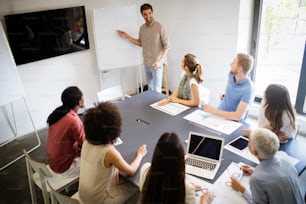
(53, 199)
(46, 198)
(45, 193)
(31, 184)
(33, 192)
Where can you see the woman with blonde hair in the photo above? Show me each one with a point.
(189, 89)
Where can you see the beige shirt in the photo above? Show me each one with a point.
(94, 177)
(153, 38)
(97, 183)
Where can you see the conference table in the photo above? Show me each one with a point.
(142, 124)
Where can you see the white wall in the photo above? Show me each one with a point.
(246, 14)
(44, 80)
(208, 29)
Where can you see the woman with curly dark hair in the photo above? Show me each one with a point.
(100, 160)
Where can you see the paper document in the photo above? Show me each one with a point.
(224, 191)
(171, 108)
(213, 122)
(285, 156)
(239, 146)
(193, 180)
(118, 141)
(222, 187)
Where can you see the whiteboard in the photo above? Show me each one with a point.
(112, 50)
(11, 87)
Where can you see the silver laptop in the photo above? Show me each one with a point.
(203, 155)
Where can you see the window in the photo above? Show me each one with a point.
(280, 46)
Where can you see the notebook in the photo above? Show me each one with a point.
(203, 155)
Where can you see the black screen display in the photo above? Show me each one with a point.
(240, 143)
(44, 34)
(205, 147)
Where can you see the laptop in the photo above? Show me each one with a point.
(203, 155)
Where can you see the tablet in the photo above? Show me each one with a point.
(240, 143)
(239, 146)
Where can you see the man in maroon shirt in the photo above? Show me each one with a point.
(66, 133)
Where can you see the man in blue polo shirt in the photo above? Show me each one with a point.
(239, 93)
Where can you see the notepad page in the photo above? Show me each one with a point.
(213, 122)
(171, 108)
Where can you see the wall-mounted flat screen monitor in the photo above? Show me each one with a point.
(43, 34)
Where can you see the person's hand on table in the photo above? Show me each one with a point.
(142, 150)
(207, 198)
(247, 170)
(236, 185)
(246, 132)
(208, 108)
(197, 188)
(163, 102)
(173, 98)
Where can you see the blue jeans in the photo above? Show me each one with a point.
(154, 78)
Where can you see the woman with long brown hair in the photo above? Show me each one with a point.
(163, 181)
(277, 112)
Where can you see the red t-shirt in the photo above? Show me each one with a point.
(64, 136)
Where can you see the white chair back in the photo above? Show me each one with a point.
(111, 94)
(39, 173)
(59, 198)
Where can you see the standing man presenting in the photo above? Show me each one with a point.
(155, 44)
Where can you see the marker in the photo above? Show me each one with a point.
(142, 121)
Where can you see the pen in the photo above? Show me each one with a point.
(241, 176)
(143, 121)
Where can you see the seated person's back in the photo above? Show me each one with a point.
(100, 161)
(66, 134)
(274, 180)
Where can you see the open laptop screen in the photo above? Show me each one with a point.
(203, 146)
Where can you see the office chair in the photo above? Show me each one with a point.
(112, 94)
(38, 173)
(59, 198)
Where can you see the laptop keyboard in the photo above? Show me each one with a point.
(200, 163)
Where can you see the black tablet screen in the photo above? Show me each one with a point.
(240, 143)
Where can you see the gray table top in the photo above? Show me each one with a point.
(135, 132)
